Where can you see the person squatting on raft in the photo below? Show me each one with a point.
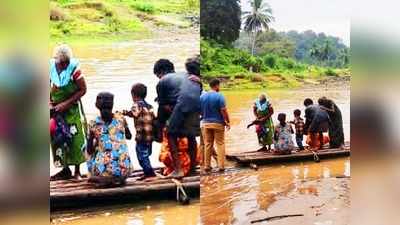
(109, 162)
(283, 136)
(336, 134)
(215, 119)
(317, 123)
(263, 111)
(143, 116)
(67, 86)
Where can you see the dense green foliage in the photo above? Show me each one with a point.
(233, 63)
(307, 47)
(220, 20)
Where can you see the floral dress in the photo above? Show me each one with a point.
(111, 156)
(283, 140)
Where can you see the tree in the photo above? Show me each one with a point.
(257, 20)
(220, 20)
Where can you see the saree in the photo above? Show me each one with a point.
(265, 131)
(63, 87)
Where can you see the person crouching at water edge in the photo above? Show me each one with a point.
(143, 115)
(109, 163)
(215, 119)
(263, 112)
(317, 123)
(283, 136)
(67, 86)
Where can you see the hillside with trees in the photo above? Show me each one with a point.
(255, 55)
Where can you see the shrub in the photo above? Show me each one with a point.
(270, 61)
(330, 72)
(144, 7)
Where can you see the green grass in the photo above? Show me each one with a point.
(114, 20)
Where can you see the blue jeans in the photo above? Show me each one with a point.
(143, 152)
(299, 141)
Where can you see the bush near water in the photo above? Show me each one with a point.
(237, 68)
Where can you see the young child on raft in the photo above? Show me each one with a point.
(143, 115)
(283, 136)
(299, 127)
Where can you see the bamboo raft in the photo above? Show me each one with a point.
(66, 194)
(259, 157)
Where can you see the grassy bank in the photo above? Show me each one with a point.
(117, 20)
(239, 70)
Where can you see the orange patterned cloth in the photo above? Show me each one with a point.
(166, 158)
(313, 140)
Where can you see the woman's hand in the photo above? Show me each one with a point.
(61, 107)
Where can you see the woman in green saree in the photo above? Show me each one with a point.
(67, 86)
(263, 111)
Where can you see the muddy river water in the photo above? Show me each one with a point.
(236, 197)
(317, 191)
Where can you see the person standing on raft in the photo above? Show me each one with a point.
(67, 86)
(263, 112)
(317, 123)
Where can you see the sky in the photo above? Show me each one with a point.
(329, 16)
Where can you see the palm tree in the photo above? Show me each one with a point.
(257, 19)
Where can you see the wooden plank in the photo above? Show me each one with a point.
(267, 158)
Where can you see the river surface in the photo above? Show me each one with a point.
(318, 191)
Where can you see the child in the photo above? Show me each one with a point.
(298, 125)
(283, 136)
(109, 162)
(143, 115)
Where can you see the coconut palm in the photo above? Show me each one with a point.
(257, 19)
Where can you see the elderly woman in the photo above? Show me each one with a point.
(67, 86)
(263, 111)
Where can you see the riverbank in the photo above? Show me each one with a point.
(278, 80)
(104, 21)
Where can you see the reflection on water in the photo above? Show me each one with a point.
(165, 213)
(239, 198)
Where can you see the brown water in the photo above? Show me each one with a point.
(114, 68)
(163, 213)
(311, 189)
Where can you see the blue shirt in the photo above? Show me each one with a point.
(211, 104)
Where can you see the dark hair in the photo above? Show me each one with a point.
(105, 100)
(297, 112)
(281, 117)
(308, 101)
(214, 82)
(193, 65)
(324, 101)
(139, 90)
(163, 66)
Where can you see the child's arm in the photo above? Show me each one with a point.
(91, 142)
(127, 113)
(128, 133)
